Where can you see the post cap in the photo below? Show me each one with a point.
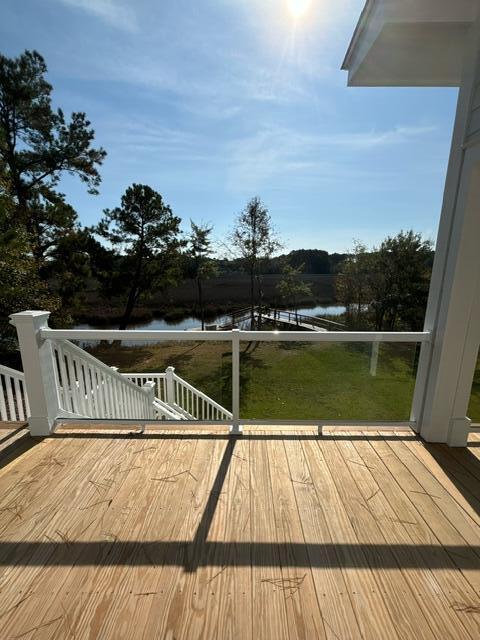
(38, 317)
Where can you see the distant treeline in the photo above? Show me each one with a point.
(312, 261)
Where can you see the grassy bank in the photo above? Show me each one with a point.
(287, 380)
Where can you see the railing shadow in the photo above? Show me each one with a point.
(462, 467)
(176, 434)
(191, 555)
(194, 550)
(15, 444)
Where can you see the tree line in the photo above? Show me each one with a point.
(138, 248)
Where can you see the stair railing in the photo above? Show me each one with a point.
(89, 388)
(14, 405)
(181, 396)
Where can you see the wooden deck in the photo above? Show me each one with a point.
(271, 535)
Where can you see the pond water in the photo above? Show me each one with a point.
(190, 322)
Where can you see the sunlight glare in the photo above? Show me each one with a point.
(298, 8)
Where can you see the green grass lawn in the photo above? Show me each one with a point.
(287, 380)
(329, 381)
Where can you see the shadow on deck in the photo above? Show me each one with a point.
(239, 533)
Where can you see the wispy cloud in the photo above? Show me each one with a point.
(279, 154)
(152, 139)
(373, 138)
(112, 12)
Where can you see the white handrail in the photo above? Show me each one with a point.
(13, 397)
(164, 412)
(89, 388)
(260, 336)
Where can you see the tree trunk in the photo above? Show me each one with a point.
(260, 302)
(200, 302)
(133, 294)
(380, 315)
(129, 307)
(252, 299)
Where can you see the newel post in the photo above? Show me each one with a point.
(39, 370)
(149, 389)
(170, 385)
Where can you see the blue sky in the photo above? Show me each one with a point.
(214, 101)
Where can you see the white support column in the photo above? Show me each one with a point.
(446, 366)
(39, 370)
(236, 429)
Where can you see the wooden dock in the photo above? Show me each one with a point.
(273, 535)
(292, 323)
(281, 317)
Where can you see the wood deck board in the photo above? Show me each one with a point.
(175, 582)
(459, 594)
(337, 607)
(269, 608)
(449, 473)
(421, 582)
(432, 511)
(304, 615)
(380, 534)
(406, 614)
(132, 583)
(89, 519)
(232, 578)
(200, 598)
(441, 510)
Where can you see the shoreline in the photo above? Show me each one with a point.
(178, 313)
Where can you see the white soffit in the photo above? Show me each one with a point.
(407, 43)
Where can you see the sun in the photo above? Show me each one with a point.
(298, 8)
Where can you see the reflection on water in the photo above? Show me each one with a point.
(159, 324)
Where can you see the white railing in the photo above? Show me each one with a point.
(35, 336)
(235, 337)
(88, 388)
(183, 397)
(13, 398)
(195, 403)
(141, 379)
(164, 412)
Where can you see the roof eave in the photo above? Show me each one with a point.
(361, 24)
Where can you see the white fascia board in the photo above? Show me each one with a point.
(409, 43)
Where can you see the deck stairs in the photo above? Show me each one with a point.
(87, 388)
